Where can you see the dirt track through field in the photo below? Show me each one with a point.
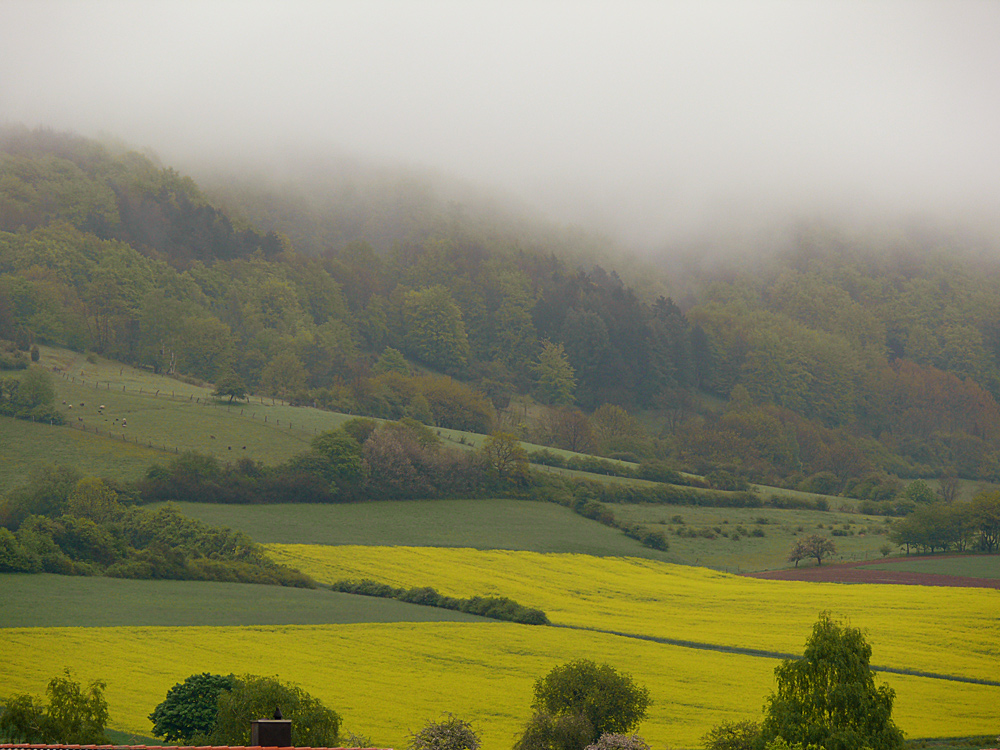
(774, 654)
(864, 572)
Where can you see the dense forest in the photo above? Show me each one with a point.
(839, 362)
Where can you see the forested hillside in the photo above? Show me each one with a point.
(836, 366)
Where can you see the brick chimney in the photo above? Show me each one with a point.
(276, 732)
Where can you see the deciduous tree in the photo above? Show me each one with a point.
(586, 694)
(232, 385)
(506, 460)
(829, 698)
(435, 333)
(74, 714)
(819, 547)
(190, 707)
(985, 510)
(253, 697)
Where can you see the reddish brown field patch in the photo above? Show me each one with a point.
(863, 572)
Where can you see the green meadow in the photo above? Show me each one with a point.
(52, 601)
(500, 523)
(27, 446)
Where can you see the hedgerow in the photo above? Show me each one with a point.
(493, 607)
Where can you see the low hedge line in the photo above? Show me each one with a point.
(653, 471)
(494, 607)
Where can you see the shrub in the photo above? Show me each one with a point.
(73, 715)
(732, 735)
(656, 471)
(251, 697)
(619, 742)
(451, 733)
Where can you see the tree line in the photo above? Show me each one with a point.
(64, 523)
(826, 359)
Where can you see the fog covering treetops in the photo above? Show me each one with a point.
(849, 361)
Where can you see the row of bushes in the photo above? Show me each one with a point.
(798, 503)
(666, 494)
(361, 460)
(494, 607)
(653, 471)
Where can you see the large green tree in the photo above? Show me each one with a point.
(435, 333)
(580, 701)
(556, 379)
(828, 698)
(985, 512)
(190, 707)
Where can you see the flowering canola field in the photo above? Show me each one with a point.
(941, 630)
(389, 679)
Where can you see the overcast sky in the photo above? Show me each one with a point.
(647, 118)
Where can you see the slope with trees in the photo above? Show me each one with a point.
(835, 361)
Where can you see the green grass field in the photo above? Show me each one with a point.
(177, 416)
(979, 566)
(28, 446)
(864, 534)
(481, 524)
(64, 601)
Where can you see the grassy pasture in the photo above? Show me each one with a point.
(179, 424)
(865, 534)
(943, 630)
(980, 566)
(389, 679)
(62, 601)
(481, 524)
(28, 446)
(178, 415)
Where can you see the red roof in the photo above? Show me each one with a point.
(26, 746)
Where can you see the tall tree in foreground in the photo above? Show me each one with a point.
(828, 698)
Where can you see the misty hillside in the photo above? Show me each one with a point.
(840, 361)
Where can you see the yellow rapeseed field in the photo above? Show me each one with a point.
(387, 680)
(944, 630)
